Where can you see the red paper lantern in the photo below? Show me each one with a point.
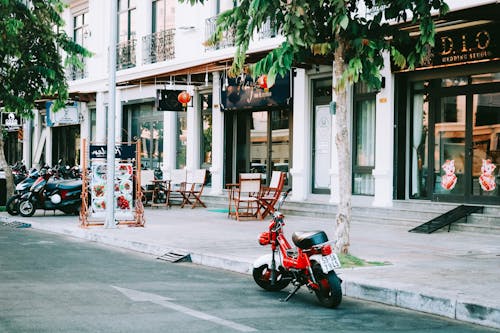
(262, 81)
(184, 98)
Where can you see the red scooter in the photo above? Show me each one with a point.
(311, 263)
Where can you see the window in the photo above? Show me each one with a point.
(364, 140)
(126, 20)
(80, 33)
(163, 14)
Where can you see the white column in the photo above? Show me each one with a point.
(170, 136)
(301, 145)
(100, 123)
(217, 139)
(193, 132)
(27, 146)
(384, 139)
(48, 146)
(37, 134)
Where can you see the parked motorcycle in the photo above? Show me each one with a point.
(21, 188)
(310, 263)
(19, 172)
(63, 195)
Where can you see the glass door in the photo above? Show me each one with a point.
(485, 148)
(466, 148)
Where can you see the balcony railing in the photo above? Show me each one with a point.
(227, 39)
(159, 46)
(74, 73)
(268, 30)
(125, 54)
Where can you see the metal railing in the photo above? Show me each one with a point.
(268, 30)
(74, 73)
(227, 39)
(125, 54)
(159, 46)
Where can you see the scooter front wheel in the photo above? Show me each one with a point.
(26, 208)
(262, 276)
(11, 205)
(330, 292)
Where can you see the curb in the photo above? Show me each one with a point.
(402, 298)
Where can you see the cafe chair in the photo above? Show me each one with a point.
(244, 196)
(194, 188)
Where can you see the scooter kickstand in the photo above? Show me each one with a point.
(293, 292)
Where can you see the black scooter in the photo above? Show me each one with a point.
(21, 188)
(63, 195)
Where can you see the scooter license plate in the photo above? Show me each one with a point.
(329, 262)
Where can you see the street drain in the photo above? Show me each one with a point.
(175, 257)
(15, 224)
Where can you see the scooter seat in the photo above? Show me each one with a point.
(307, 239)
(70, 184)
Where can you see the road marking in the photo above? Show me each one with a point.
(139, 296)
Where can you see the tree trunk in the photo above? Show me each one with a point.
(6, 168)
(342, 139)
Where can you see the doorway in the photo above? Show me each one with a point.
(257, 142)
(455, 150)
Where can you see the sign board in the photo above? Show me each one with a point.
(122, 152)
(468, 45)
(166, 100)
(11, 121)
(67, 116)
(243, 93)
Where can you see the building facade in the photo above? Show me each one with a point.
(429, 134)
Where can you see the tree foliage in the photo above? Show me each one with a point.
(317, 27)
(32, 46)
(32, 43)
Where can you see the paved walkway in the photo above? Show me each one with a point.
(452, 274)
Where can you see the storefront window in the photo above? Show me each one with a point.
(181, 140)
(364, 141)
(147, 127)
(419, 142)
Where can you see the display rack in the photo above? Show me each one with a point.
(127, 198)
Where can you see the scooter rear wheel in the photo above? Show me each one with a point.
(26, 208)
(262, 276)
(11, 205)
(330, 292)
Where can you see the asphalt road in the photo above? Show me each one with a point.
(49, 283)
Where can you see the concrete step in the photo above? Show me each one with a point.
(403, 213)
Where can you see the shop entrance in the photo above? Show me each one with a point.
(257, 142)
(456, 136)
(66, 145)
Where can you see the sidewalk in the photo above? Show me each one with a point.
(454, 274)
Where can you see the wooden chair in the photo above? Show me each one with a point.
(269, 195)
(244, 197)
(147, 186)
(194, 188)
(176, 186)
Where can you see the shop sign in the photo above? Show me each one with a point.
(67, 116)
(243, 93)
(11, 121)
(166, 100)
(122, 152)
(463, 46)
(466, 45)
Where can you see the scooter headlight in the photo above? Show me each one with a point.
(55, 199)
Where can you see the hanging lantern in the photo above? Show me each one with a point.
(184, 98)
(262, 81)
